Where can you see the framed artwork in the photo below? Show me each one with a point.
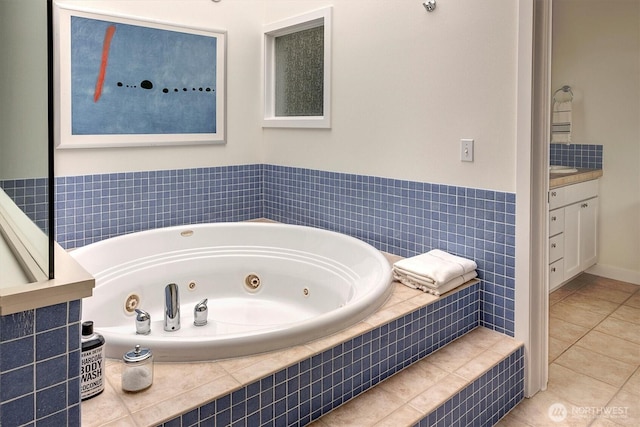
(121, 81)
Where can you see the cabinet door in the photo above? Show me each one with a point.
(588, 233)
(580, 236)
(572, 240)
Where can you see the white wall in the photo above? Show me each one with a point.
(407, 85)
(596, 50)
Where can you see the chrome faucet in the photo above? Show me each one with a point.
(143, 322)
(200, 312)
(171, 308)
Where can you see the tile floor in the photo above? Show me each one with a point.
(594, 357)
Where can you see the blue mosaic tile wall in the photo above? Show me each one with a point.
(398, 216)
(407, 218)
(484, 401)
(305, 391)
(40, 366)
(32, 196)
(576, 155)
(91, 208)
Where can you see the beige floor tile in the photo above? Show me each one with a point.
(634, 301)
(623, 409)
(577, 388)
(169, 379)
(611, 346)
(589, 303)
(595, 290)
(368, 409)
(510, 420)
(566, 331)
(633, 384)
(556, 348)
(405, 416)
(454, 355)
(616, 284)
(434, 396)
(412, 381)
(595, 365)
(483, 337)
(560, 294)
(103, 408)
(628, 314)
(479, 365)
(572, 314)
(121, 422)
(620, 328)
(539, 411)
(579, 281)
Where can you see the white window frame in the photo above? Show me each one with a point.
(295, 24)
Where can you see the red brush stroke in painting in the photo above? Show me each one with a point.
(108, 35)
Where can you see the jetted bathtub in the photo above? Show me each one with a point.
(269, 286)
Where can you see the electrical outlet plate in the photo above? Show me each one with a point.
(466, 150)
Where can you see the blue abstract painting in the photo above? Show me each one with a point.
(129, 79)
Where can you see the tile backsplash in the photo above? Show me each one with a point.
(576, 155)
(397, 216)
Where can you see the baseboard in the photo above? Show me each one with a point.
(615, 273)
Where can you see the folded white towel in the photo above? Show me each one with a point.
(432, 289)
(561, 122)
(435, 267)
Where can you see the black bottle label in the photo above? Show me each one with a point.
(92, 372)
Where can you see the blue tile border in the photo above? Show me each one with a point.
(91, 208)
(304, 391)
(576, 155)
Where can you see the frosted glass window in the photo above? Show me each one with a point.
(299, 76)
(297, 64)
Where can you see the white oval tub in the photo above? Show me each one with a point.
(313, 283)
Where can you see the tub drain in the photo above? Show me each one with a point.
(252, 281)
(131, 303)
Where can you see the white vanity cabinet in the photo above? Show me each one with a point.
(573, 218)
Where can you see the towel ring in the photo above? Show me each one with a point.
(565, 89)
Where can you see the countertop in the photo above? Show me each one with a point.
(561, 179)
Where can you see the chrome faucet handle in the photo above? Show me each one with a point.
(200, 313)
(143, 322)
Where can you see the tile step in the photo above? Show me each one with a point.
(444, 388)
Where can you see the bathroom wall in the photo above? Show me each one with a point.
(596, 50)
(407, 85)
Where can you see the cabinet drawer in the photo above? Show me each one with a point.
(556, 198)
(581, 191)
(556, 247)
(556, 273)
(556, 221)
